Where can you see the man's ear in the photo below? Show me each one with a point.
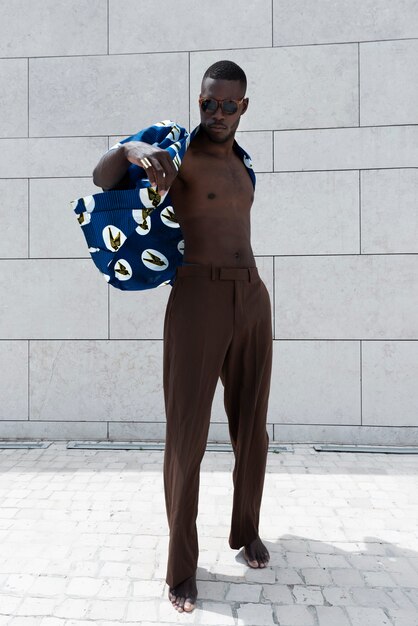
(245, 105)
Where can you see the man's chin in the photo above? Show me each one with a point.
(217, 136)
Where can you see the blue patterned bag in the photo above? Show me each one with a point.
(132, 234)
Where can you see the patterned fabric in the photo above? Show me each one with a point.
(132, 233)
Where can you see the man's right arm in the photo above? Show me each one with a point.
(113, 165)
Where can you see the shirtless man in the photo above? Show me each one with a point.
(217, 323)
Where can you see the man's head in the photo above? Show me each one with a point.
(222, 100)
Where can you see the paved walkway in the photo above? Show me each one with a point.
(83, 541)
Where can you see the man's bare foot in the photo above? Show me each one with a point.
(183, 596)
(256, 553)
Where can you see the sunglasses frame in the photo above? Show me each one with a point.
(220, 104)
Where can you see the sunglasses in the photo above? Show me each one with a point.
(210, 105)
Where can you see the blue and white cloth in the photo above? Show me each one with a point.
(132, 233)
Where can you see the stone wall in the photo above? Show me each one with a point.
(332, 129)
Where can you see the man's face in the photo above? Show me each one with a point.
(220, 126)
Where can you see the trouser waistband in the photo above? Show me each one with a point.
(219, 273)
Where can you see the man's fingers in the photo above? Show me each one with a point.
(146, 164)
(164, 169)
(169, 167)
(159, 168)
(156, 162)
(160, 175)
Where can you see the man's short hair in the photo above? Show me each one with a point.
(226, 70)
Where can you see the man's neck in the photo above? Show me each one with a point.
(221, 150)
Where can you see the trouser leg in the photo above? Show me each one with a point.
(197, 331)
(246, 377)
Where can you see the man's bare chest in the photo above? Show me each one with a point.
(205, 181)
(226, 179)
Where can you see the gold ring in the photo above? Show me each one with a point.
(145, 163)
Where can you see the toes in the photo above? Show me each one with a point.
(180, 602)
(251, 562)
(176, 601)
(259, 561)
(189, 605)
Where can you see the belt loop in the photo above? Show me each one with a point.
(213, 273)
(249, 274)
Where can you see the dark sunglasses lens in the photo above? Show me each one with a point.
(229, 106)
(209, 105)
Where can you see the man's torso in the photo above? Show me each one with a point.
(212, 198)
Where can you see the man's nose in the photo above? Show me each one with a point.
(219, 114)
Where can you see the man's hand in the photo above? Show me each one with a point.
(156, 162)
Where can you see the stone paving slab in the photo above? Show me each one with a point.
(83, 541)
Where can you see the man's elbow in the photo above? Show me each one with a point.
(97, 180)
(96, 177)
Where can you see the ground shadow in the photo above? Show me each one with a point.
(325, 583)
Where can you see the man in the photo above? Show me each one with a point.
(217, 323)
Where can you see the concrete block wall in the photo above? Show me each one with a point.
(333, 131)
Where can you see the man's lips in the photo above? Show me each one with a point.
(217, 127)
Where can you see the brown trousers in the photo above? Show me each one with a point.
(217, 323)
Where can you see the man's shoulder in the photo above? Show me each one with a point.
(246, 158)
